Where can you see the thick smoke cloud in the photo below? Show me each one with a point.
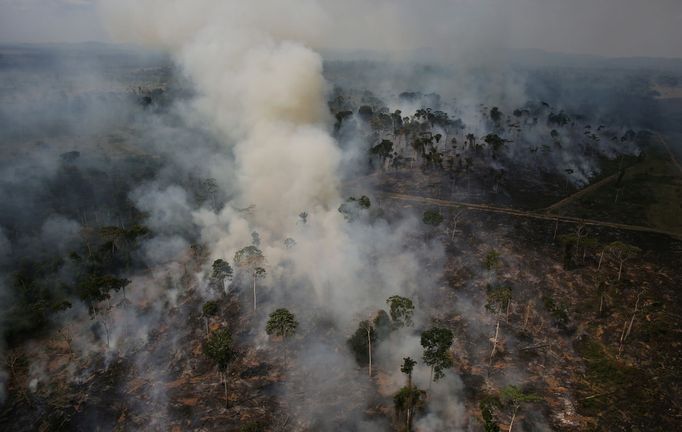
(257, 123)
(260, 88)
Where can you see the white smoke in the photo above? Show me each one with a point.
(260, 89)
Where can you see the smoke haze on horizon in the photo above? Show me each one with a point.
(614, 28)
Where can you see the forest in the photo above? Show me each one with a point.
(224, 227)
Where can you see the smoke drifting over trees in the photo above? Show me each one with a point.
(143, 221)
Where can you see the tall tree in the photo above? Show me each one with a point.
(514, 397)
(209, 310)
(255, 239)
(218, 348)
(361, 343)
(282, 323)
(622, 252)
(221, 271)
(492, 260)
(436, 343)
(251, 258)
(407, 367)
(258, 273)
(408, 400)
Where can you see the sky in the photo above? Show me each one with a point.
(617, 28)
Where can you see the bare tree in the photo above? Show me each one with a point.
(621, 252)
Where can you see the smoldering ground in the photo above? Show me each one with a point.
(255, 123)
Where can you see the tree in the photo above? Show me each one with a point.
(436, 343)
(407, 368)
(499, 299)
(353, 207)
(384, 150)
(303, 216)
(454, 220)
(94, 289)
(495, 142)
(251, 258)
(258, 273)
(408, 400)
(218, 348)
(621, 252)
(401, 310)
(211, 187)
(289, 243)
(361, 343)
(432, 217)
(492, 260)
(486, 406)
(514, 397)
(209, 309)
(282, 323)
(495, 115)
(471, 139)
(255, 238)
(220, 272)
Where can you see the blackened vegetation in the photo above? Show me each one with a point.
(99, 231)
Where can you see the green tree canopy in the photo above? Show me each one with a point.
(436, 343)
(498, 298)
(358, 342)
(218, 348)
(250, 256)
(221, 271)
(492, 260)
(432, 217)
(401, 310)
(281, 323)
(210, 308)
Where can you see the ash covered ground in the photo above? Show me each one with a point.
(515, 232)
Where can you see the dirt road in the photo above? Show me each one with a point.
(673, 159)
(525, 214)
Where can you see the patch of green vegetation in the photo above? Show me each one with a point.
(620, 396)
(559, 311)
(487, 406)
(649, 194)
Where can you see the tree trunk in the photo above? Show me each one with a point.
(409, 403)
(622, 338)
(632, 320)
(601, 257)
(206, 321)
(556, 229)
(106, 331)
(408, 426)
(511, 423)
(601, 304)
(492, 353)
(527, 316)
(620, 269)
(369, 349)
(227, 401)
(254, 292)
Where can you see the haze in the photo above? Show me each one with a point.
(620, 28)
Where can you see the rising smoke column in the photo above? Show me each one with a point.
(258, 87)
(261, 90)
